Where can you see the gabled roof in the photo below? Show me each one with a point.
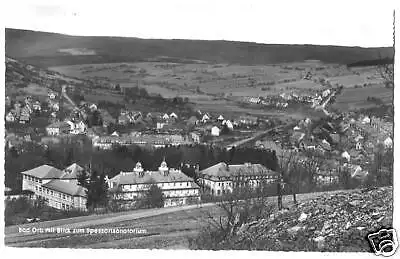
(44, 172)
(72, 171)
(66, 187)
(151, 177)
(223, 170)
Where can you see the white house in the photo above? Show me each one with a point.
(165, 116)
(220, 118)
(173, 115)
(222, 178)
(228, 124)
(37, 106)
(388, 142)
(58, 128)
(205, 118)
(115, 134)
(54, 187)
(366, 120)
(93, 107)
(11, 116)
(52, 95)
(177, 188)
(215, 131)
(346, 156)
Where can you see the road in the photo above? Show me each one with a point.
(255, 137)
(14, 234)
(64, 93)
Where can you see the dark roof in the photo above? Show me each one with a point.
(66, 187)
(247, 169)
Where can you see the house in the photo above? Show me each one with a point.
(223, 178)
(326, 93)
(359, 145)
(52, 95)
(388, 142)
(205, 118)
(215, 131)
(160, 125)
(195, 137)
(248, 120)
(346, 156)
(254, 100)
(23, 119)
(93, 107)
(173, 116)
(220, 118)
(58, 128)
(78, 128)
(72, 173)
(228, 124)
(115, 134)
(11, 116)
(55, 106)
(366, 120)
(296, 128)
(165, 117)
(48, 184)
(177, 188)
(37, 106)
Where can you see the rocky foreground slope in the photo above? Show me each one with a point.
(332, 222)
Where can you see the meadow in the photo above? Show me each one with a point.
(220, 87)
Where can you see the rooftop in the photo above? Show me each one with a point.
(44, 172)
(247, 169)
(66, 187)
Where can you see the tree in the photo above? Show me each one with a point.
(96, 188)
(153, 198)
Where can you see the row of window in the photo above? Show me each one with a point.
(32, 179)
(52, 193)
(181, 184)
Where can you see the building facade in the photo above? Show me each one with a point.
(59, 189)
(177, 188)
(223, 178)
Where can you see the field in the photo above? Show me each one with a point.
(356, 98)
(220, 87)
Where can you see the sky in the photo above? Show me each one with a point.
(346, 23)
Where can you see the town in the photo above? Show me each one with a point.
(225, 143)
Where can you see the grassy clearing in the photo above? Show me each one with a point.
(356, 98)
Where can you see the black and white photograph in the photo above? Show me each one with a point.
(199, 126)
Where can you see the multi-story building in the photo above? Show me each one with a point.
(223, 178)
(58, 188)
(160, 140)
(177, 188)
(58, 128)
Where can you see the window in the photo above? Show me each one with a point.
(218, 192)
(187, 184)
(40, 189)
(47, 191)
(36, 188)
